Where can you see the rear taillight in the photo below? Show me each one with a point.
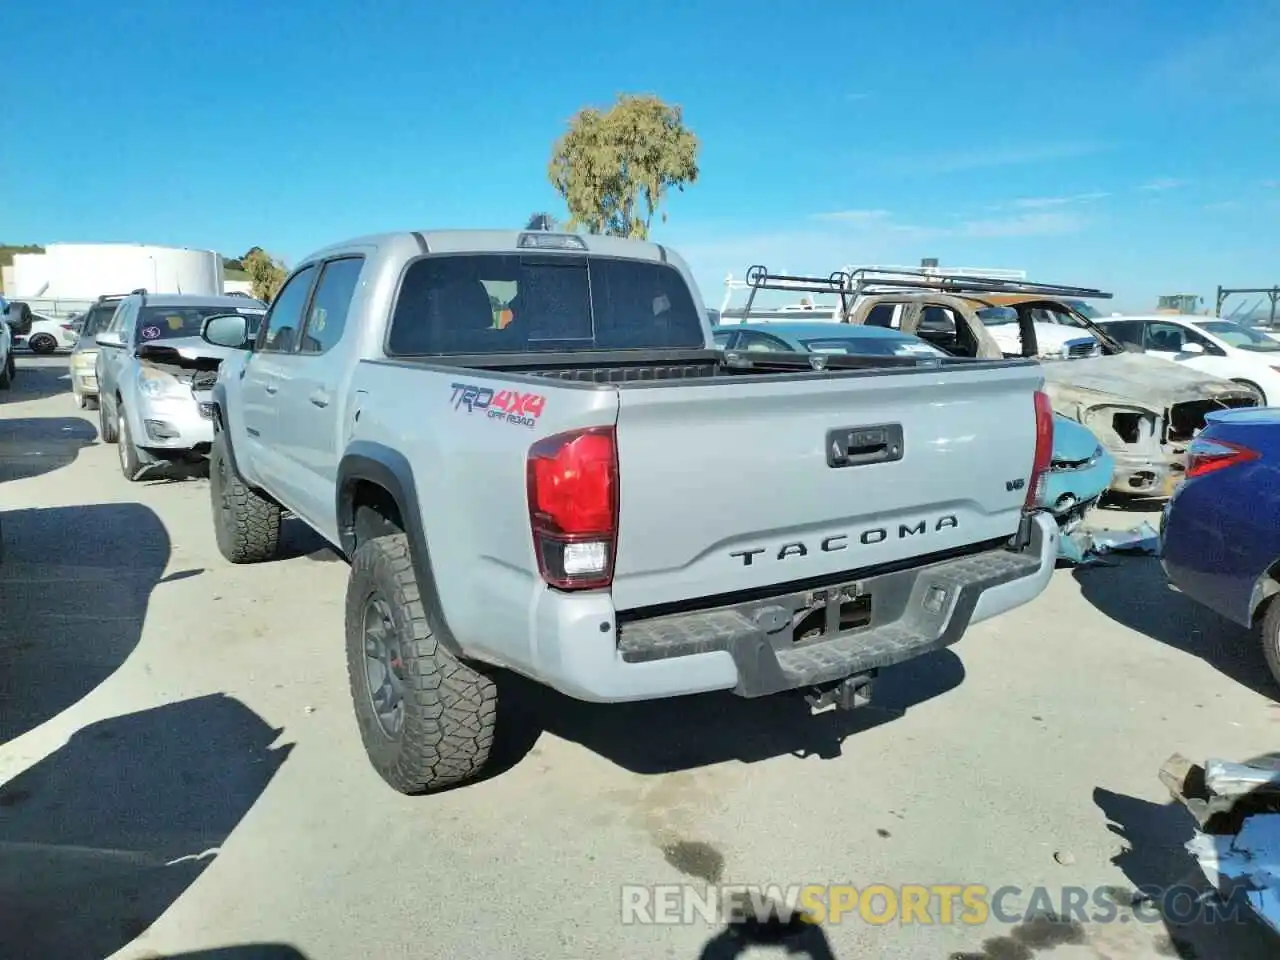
(66, 326)
(1044, 449)
(573, 507)
(1206, 456)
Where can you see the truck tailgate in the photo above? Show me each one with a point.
(734, 486)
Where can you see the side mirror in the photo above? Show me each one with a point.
(227, 330)
(1193, 348)
(109, 339)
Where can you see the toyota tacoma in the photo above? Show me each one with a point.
(535, 460)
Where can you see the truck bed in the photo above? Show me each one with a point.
(644, 366)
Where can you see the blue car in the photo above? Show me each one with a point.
(1220, 531)
(1081, 469)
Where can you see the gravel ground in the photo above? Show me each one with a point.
(180, 771)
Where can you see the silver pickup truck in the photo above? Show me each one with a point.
(535, 460)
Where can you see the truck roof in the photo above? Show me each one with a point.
(415, 242)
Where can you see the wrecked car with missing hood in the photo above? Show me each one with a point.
(1143, 412)
(155, 374)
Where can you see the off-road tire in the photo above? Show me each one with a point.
(450, 708)
(245, 523)
(1269, 633)
(42, 343)
(8, 372)
(106, 423)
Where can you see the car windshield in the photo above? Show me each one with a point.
(994, 316)
(1236, 335)
(172, 323)
(540, 303)
(873, 346)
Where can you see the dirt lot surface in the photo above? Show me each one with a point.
(180, 770)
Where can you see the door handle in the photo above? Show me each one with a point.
(270, 387)
(320, 398)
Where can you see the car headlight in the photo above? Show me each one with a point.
(158, 385)
(85, 360)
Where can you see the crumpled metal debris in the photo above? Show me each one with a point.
(1087, 547)
(1237, 807)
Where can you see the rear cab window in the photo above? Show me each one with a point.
(500, 303)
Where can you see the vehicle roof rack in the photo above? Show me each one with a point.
(866, 280)
(120, 296)
(759, 278)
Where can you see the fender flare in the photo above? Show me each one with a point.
(220, 424)
(389, 469)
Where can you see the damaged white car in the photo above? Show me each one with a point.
(155, 374)
(1145, 411)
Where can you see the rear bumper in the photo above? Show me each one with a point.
(749, 647)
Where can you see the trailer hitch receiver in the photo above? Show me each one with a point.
(847, 694)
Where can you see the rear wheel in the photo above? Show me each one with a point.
(1269, 633)
(427, 719)
(42, 343)
(245, 523)
(1254, 389)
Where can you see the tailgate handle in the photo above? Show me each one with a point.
(855, 446)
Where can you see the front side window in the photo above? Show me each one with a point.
(1167, 337)
(510, 304)
(996, 316)
(1060, 317)
(935, 319)
(327, 317)
(285, 318)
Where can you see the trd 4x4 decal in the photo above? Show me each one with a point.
(511, 406)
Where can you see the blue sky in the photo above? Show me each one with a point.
(1134, 146)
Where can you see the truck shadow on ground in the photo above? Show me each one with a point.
(74, 587)
(1156, 857)
(34, 446)
(102, 836)
(1137, 595)
(681, 733)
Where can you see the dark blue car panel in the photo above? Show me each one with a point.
(1221, 530)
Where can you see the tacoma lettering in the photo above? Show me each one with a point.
(839, 541)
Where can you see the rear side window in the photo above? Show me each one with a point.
(1128, 332)
(881, 315)
(328, 315)
(511, 303)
